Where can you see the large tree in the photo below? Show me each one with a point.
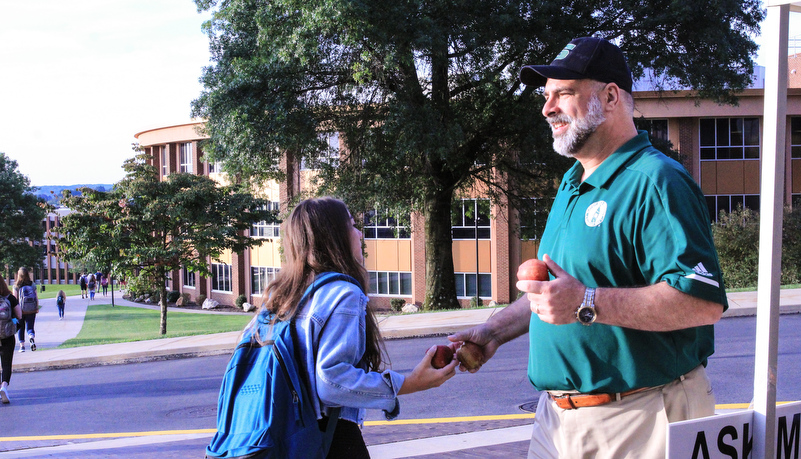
(21, 215)
(426, 93)
(146, 228)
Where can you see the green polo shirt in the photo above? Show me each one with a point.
(638, 220)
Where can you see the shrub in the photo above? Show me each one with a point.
(476, 302)
(173, 296)
(187, 298)
(397, 304)
(736, 237)
(200, 299)
(240, 300)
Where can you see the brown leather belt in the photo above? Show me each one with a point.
(574, 401)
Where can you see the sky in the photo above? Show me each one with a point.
(78, 79)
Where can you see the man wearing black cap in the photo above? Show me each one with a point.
(620, 335)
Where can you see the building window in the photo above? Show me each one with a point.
(469, 216)
(330, 154)
(264, 229)
(261, 276)
(729, 138)
(390, 283)
(657, 129)
(186, 157)
(215, 166)
(466, 285)
(795, 137)
(164, 168)
(717, 203)
(381, 225)
(533, 214)
(189, 278)
(221, 277)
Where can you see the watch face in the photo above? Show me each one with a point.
(586, 315)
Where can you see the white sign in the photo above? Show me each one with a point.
(730, 436)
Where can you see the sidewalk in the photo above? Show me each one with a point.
(51, 332)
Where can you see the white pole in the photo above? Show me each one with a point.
(770, 231)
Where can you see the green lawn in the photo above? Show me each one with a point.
(51, 290)
(105, 324)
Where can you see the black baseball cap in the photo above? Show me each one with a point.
(583, 58)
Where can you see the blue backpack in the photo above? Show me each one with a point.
(264, 410)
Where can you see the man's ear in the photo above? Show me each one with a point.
(611, 96)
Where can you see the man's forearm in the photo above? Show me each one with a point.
(511, 322)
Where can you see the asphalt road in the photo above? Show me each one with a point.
(79, 405)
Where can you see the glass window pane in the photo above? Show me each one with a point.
(722, 137)
(736, 137)
(373, 282)
(736, 201)
(382, 283)
(470, 287)
(711, 206)
(753, 152)
(707, 131)
(707, 153)
(751, 131)
(405, 283)
(752, 202)
(394, 285)
(485, 285)
(459, 279)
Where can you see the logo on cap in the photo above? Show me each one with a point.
(565, 51)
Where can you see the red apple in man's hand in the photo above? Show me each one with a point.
(442, 357)
(533, 269)
(470, 355)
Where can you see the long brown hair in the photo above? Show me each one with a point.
(316, 239)
(4, 291)
(23, 278)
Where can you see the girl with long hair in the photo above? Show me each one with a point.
(7, 344)
(28, 318)
(320, 236)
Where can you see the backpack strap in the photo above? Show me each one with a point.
(333, 413)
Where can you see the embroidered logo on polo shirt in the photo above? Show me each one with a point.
(595, 214)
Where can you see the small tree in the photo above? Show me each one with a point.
(21, 214)
(146, 228)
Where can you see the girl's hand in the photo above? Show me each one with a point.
(425, 376)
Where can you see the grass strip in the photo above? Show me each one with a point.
(105, 324)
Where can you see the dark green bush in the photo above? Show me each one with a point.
(397, 304)
(173, 296)
(736, 237)
(240, 300)
(476, 302)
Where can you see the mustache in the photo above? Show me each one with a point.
(559, 119)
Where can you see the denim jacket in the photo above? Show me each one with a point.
(333, 320)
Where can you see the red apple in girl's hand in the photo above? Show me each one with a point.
(442, 357)
(469, 355)
(533, 269)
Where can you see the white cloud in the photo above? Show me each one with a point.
(79, 79)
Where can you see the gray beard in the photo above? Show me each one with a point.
(579, 129)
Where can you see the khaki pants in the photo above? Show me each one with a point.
(634, 427)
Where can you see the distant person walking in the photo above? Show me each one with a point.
(7, 343)
(104, 284)
(91, 285)
(25, 292)
(82, 281)
(61, 300)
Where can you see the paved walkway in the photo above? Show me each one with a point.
(510, 440)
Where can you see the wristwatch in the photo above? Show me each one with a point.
(585, 313)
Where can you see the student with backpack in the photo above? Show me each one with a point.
(82, 281)
(10, 315)
(61, 300)
(29, 302)
(333, 336)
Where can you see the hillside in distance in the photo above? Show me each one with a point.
(53, 193)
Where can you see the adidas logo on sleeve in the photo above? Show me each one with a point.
(700, 273)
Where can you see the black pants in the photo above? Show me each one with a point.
(348, 442)
(6, 356)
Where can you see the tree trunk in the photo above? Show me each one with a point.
(163, 305)
(440, 282)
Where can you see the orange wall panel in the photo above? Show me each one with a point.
(751, 177)
(709, 180)
(464, 256)
(730, 177)
(388, 255)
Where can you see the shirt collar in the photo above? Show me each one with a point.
(610, 166)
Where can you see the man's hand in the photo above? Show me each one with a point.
(554, 301)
